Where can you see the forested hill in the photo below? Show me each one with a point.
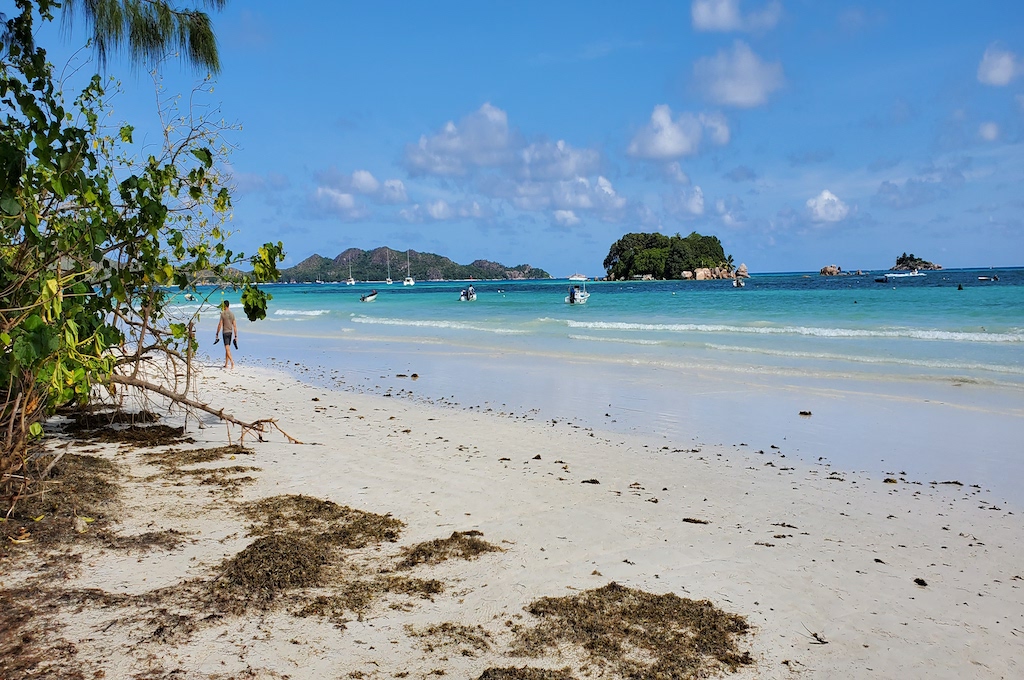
(372, 265)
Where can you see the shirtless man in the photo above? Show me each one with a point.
(228, 330)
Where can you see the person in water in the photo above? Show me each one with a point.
(227, 329)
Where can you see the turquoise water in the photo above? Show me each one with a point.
(916, 328)
(911, 376)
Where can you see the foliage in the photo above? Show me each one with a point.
(372, 265)
(148, 29)
(909, 262)
(663, 257)
(93, 241)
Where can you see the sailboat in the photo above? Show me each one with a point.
(409, 281)
(388, 280)
(350, 281)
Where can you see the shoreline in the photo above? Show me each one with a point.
(800, 549)
(928, 431)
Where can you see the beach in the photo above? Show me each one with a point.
(837, 572)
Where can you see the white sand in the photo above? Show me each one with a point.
(844, 570)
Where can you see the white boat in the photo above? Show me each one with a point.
(350, 281)
(369, 297)
(388, 280)
(408, 281)
(903, 275)
(468, 295)
(577, 295)
(578, 277)
(738, 283)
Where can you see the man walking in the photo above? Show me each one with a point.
(228, 330)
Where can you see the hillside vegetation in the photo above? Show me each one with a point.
(372, 265)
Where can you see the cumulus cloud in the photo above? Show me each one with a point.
(999, 66)
(393, 191)
(566, 218)
(988, 131)
(827, 207)
(440, 210)
(544, 160)
(725, 15)
(666, 137)
(738, 77)
(480, 139)
(364, 183)
(685, 204)
(730, 211)
(338, 203)
(674, 172)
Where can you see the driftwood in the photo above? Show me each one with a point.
(258, 427)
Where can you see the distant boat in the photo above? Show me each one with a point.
(350, 281)
(903, 275)
(468, 295)
(578, 277)
(388, 280)
(738, 283)
(577, 295)
(369, 297)
(408, 281)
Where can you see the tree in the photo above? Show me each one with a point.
(93, 244)
(660, 256)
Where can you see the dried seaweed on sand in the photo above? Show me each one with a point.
(638, 634)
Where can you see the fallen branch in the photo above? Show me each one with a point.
(259, 427)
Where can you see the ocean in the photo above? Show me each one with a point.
(912, 373)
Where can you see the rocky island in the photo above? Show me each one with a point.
(906, 263)
(374, 265)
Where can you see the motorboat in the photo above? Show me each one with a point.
(408, 281)
(369, 297)
(738, 283)
(903, 275)
(578, 295)
(468, 295)
(578, 277)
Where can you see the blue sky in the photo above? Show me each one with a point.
(800, 133)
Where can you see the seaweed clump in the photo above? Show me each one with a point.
(466, 545)
(338, 525)
(525, 673)
(638, 634)
(268, 567)
(79, 491)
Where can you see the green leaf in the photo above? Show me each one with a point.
(35, 429)
(126, 134)
(204, 156)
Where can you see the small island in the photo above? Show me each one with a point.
(652, 256)
(907, 263)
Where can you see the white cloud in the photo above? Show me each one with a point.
(566, 218)
(988, 131)
(738, 78)
(480, 139)
(693, 203)
(364, 182)
(998, 66)
(827, 207)
(544, 160)
(675, 173)
(338, 203)
(664, 137)
(439, 210)
(725, 15)
(730, 211)
(393, 191)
